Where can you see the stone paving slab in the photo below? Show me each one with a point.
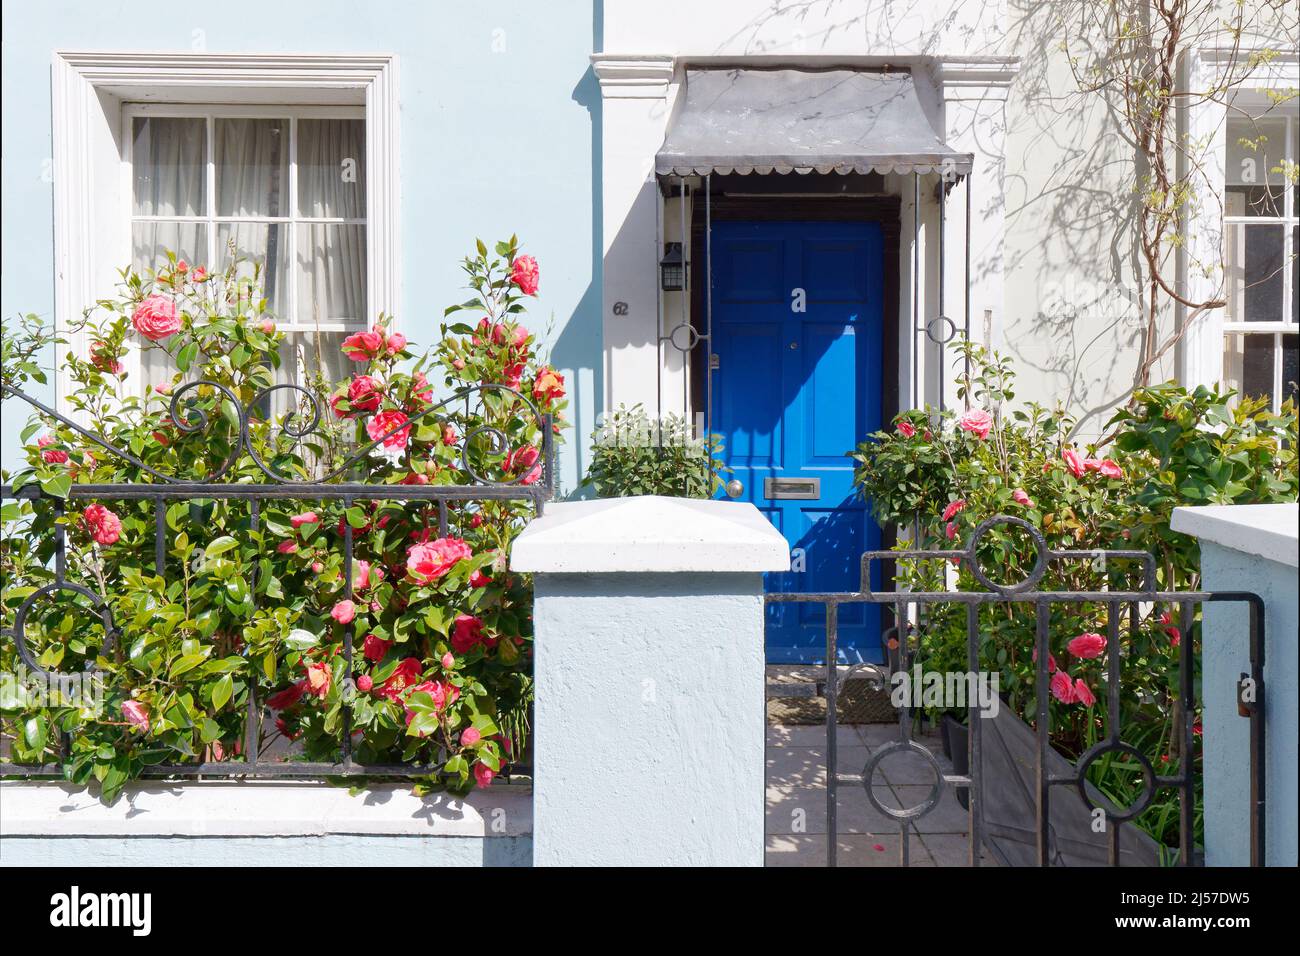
(796, 818)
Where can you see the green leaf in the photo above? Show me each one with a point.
(222, 691)
(219, 546)
(57, 486)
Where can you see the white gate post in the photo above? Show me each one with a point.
(649, 713)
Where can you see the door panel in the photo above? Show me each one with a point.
(797, 331)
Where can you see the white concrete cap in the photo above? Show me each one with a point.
(652, 534)
(1270, 531)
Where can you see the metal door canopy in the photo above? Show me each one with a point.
(843, 121)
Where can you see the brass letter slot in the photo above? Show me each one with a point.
(803, 488)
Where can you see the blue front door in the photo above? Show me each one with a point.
(797, 330)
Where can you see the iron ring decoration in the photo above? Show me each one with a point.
(1148, 779)
(20, 626)
(936, 338)
(916, 811)
(1040, 555)
(692, 337)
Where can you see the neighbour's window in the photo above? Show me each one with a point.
(283, 188)
(1261, 239)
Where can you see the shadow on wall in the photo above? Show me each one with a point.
(580, 345)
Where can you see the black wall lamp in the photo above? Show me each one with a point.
(672, 268)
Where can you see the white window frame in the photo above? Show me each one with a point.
(91, 162)
(1288, 221)
(1203, 342)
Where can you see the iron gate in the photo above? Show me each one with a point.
(337, 485)
(1123, 612)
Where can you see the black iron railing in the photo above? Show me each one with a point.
(1122, 614)
(334, 486)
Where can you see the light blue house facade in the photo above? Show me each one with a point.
(476, 120)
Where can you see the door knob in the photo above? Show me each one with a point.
(735, 488)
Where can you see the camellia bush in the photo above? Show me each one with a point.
(257, 601)
(938, 476)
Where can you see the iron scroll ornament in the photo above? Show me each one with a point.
(189, 420)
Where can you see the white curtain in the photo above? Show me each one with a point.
(251, 160)
(331, 185)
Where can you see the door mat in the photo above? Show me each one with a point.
(859, 703)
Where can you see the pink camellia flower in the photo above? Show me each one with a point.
(307, 517)
(405, 674)
(135, 714)
(287, 697)
(365, 683)
(1087, 646)
(361, 575)
(364, 394)
(514, 374)
(906, 429)
(415, 478)
(1074, 461)
(267, 327)
(1062, 687)
(199, 274)
(374, 648)
(458, 364)
(466, 633)
(182, 266)
(287, 546)
(469, 737)
(483, 775)
(1051, 661)
(104, 526)
(478, 579)
(318, 678)
(396, 343)
(54, 456)
(524, 273)
(952, 509)
(448, 662)
(344, 612)
(1082, 694)
(364, 346)
(1021, 498)
(1091, 464)
(976, 421)
(950, 530)
(384, 423)
(443, 695)
(1110, 468)
(521, 458)
(156, 318)
(420, 388)
(549, 386)
(427, 563)
(317, 567)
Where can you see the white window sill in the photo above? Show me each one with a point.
(260, 809)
